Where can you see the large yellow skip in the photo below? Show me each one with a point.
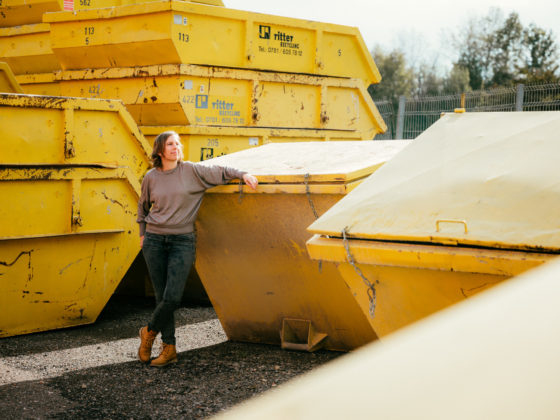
(470, 203)
(70, 172)
(251, 245)
(186, 33)
(201, 95)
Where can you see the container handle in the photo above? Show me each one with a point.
(463, 222)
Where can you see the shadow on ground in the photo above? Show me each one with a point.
(121, 318)
(205, 381)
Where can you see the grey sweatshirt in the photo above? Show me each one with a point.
(170, 199)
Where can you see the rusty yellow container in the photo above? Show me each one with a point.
(207, 142)
(24, 12)
(187, 33)
(201, 95)
(251, 254)
(43, 130)
(27, 49)
(70, 170)
(469, 204)
(8, 82)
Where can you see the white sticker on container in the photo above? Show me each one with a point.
(177, 19)
(253, 141)
(201, 88)
(188, 85)
(184, 21)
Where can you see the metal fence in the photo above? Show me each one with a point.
(417, 114)
(386, 110)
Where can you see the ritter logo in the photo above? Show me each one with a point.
(264, 32)
(201, 101)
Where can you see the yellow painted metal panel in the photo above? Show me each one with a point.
(502, 344)
(206, 142)
(264, 283)
(27, 49)
(39, 84)
(39, 130)
(71, 237)
(196, 95)
(414, 281)
(312, 162)
(252, 262)
(274, 188)
(24, 12)
(33, 209)
(182, 32)
(8, 82)
(471, 179)
(100, 4)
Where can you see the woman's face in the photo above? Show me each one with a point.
(172, 150)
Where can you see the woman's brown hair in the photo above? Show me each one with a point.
(159, 146)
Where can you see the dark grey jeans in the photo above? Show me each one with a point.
(169, 259)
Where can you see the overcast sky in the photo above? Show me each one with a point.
(385, 22)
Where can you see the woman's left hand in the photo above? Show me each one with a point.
(251, 181)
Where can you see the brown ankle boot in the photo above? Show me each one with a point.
(147, 338)
(168, 355)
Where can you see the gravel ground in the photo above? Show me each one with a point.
(91, 371)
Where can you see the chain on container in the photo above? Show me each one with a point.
(308, 193)
(370, 286)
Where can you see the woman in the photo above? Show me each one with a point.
(171, 195)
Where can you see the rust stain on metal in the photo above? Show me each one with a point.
(6, 264)
(63, 269)
(118, 203)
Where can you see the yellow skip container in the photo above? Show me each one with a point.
(27, 49)
(42, 130)
(469, 204)
(70, 170)
(24, 12)
(201, 95)
(187, 33)
(251, 254)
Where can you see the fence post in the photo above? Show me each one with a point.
(519, 97)
(400, 117)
